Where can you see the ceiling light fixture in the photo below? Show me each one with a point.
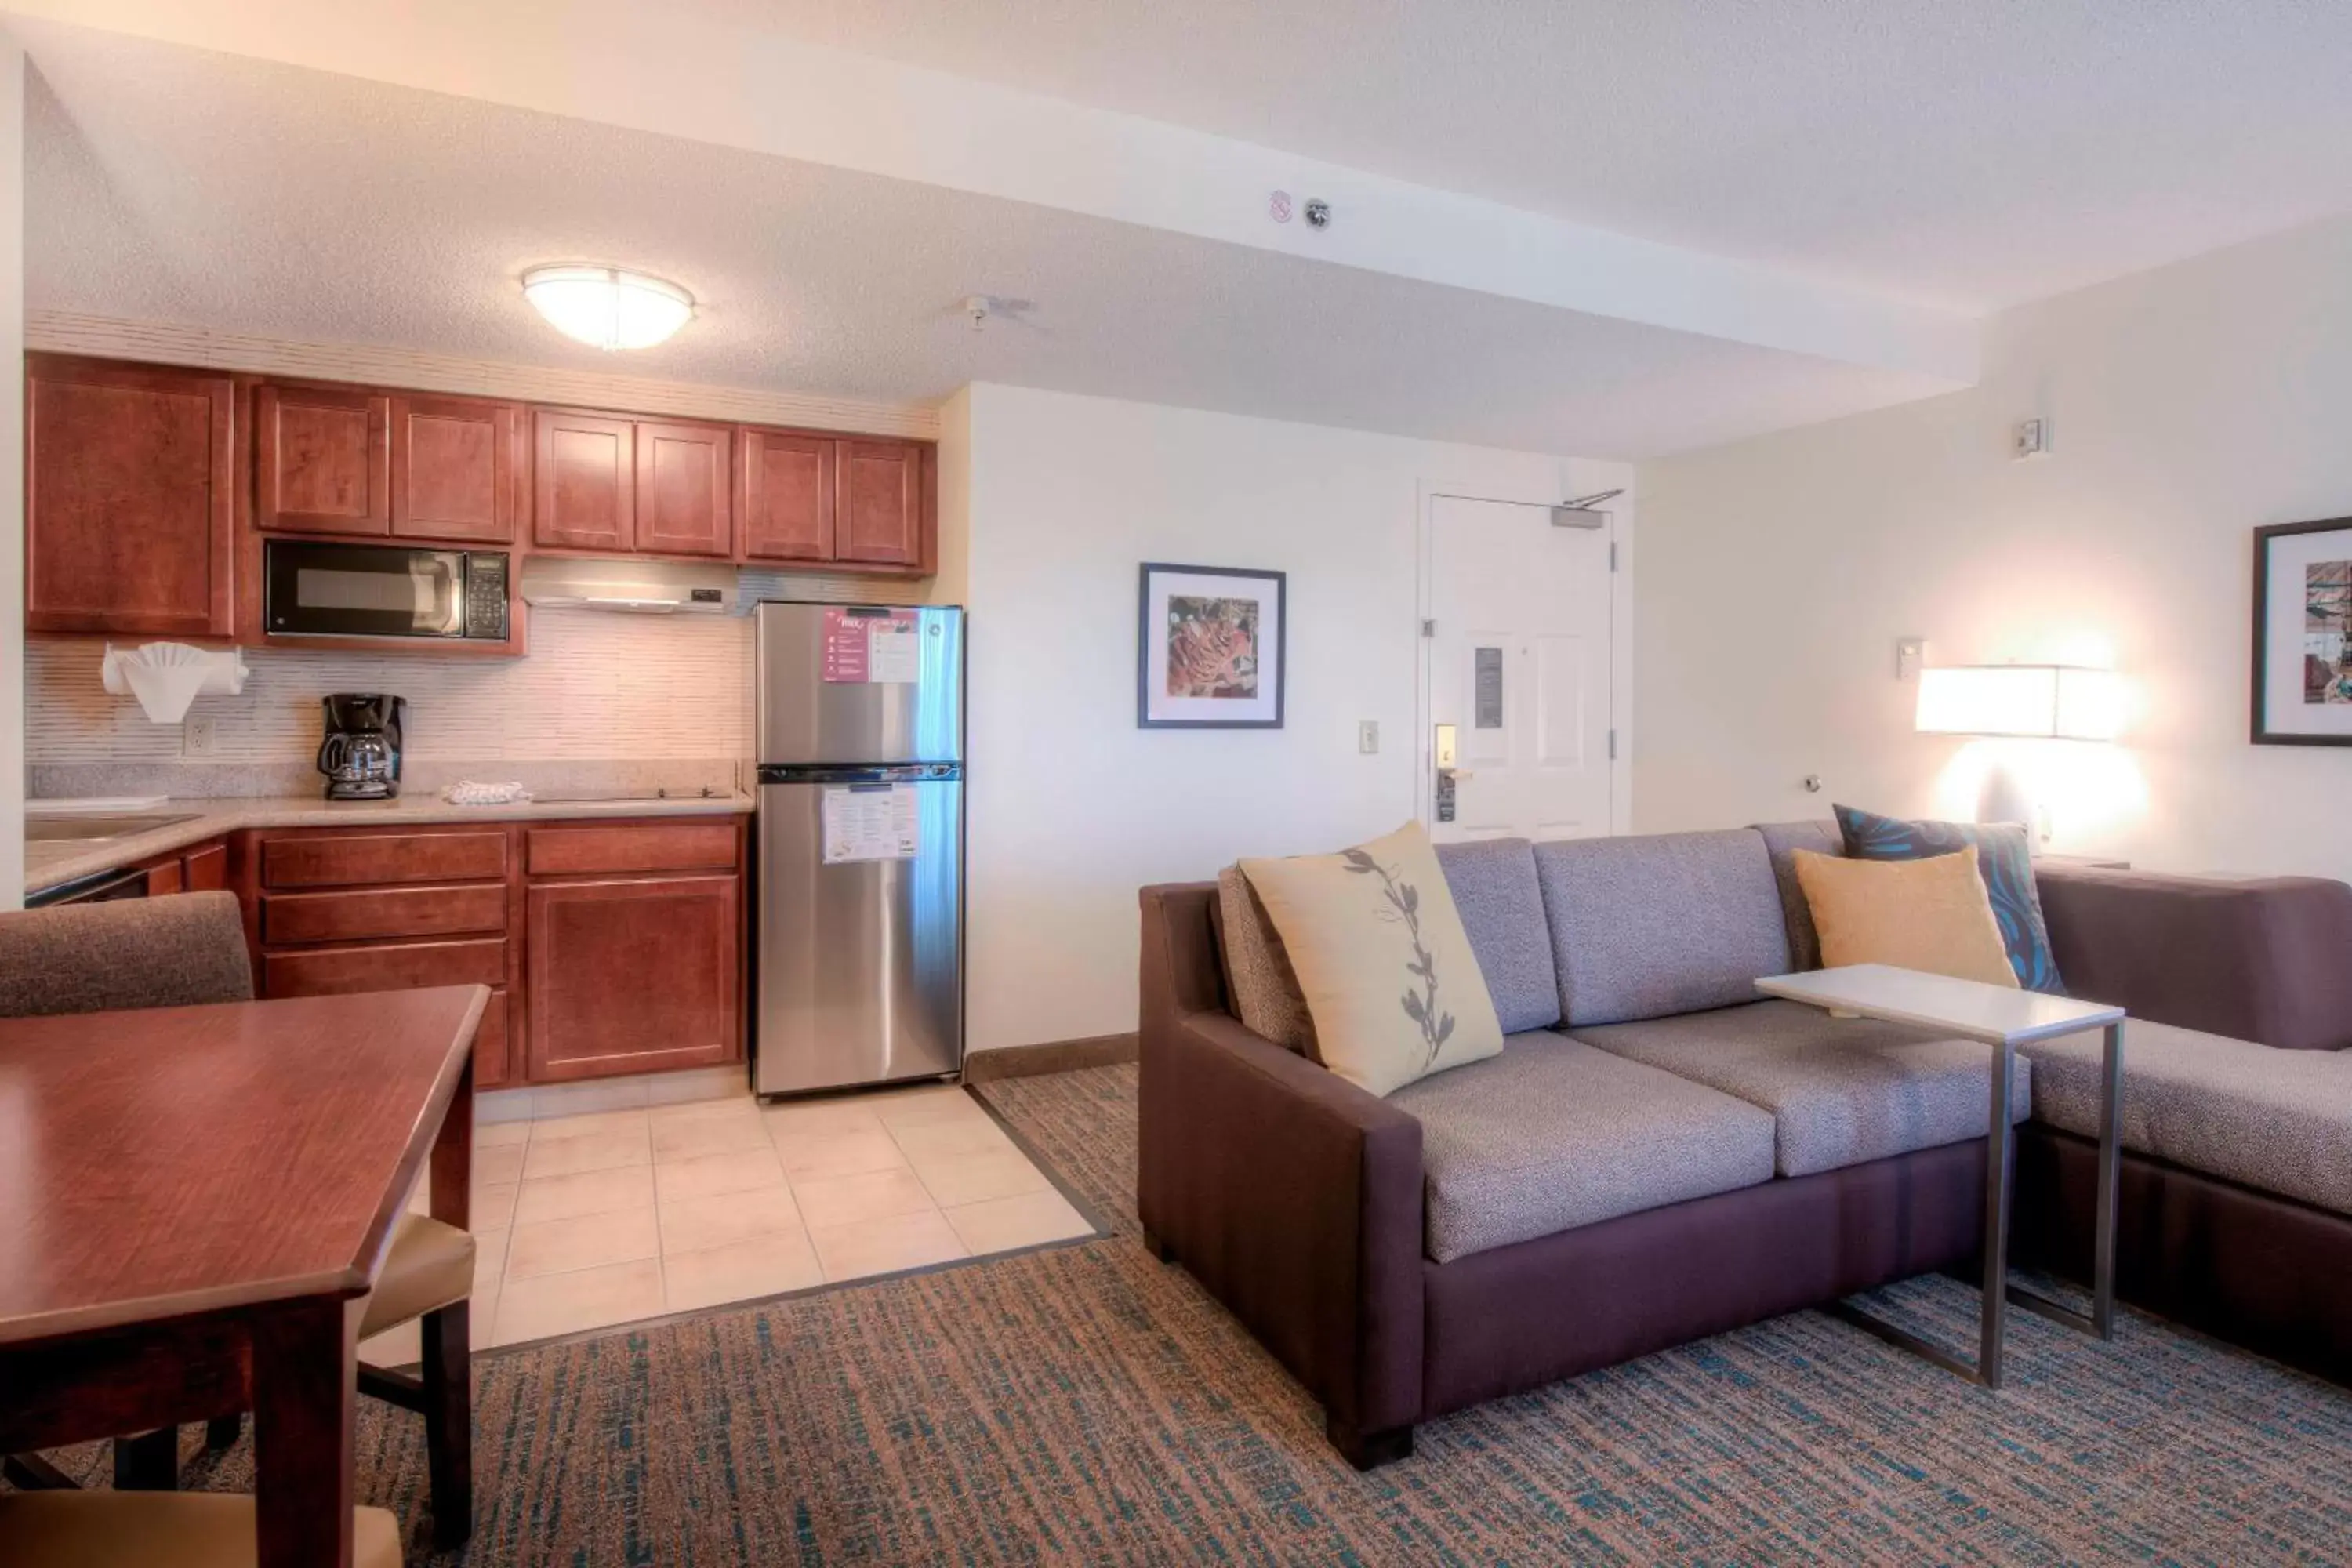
(607, 307)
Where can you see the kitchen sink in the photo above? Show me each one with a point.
(98, 829)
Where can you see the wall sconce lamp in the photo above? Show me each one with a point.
(2017, 701)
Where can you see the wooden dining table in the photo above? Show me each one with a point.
(194, 1205)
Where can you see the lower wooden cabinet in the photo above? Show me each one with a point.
(610, 947)
(633, 975)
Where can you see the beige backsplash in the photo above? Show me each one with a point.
(593, 685)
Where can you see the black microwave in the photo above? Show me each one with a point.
(314, 590)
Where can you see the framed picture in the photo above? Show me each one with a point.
(1210, 650)
(2303, 634)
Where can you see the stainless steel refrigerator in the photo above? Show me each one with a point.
(859, 924)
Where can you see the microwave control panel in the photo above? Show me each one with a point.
(486, 597)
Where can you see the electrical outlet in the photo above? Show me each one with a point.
(1368, 736)
(2028, 438)
(197, 737)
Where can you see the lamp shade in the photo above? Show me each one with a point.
(2060, 701)
(607, 307)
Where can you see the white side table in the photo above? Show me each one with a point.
(2003, 1019)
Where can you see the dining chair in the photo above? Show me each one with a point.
(189, 948)
(158, 1530)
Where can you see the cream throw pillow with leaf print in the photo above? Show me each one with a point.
(1381, 958)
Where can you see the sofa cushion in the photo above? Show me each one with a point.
(1552, 1134)
(1494, 885)
(1842, 1091)
(2005, 858)
(1379, 952)
(1781, 841)
(2277, 1121)
(1929, 915)
(1265, 991)
(1674, 923)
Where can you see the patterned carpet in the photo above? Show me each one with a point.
(1084, 1404)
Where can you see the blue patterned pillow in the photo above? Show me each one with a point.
(2004, 857)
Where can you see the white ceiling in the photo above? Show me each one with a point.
(171, 185)
(1972, 152)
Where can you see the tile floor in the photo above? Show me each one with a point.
(599, 1218)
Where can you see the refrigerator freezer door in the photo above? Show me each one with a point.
(859, 961)
(822, 698)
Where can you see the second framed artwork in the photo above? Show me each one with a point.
(1210, 653)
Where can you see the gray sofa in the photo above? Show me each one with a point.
(1656, 1154)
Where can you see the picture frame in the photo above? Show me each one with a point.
(2303, 634)
(1211, 647)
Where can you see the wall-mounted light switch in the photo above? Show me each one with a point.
(1368, 736)
(1910, 653)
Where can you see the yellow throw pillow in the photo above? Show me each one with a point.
(1381, 958)
(1931, 915)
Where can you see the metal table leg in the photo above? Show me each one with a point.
(2101, 1319)
(1993, 1321)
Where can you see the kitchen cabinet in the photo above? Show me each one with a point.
(878, 520)
(356, 460)
(633, 975)
(387, 908)
(785, 510)
(852, 504)
(321, 460)
(611, 946)
(456, 469)
(198, 868)
(129, 498)
(608, 483)
(585, 484)
(686, 494)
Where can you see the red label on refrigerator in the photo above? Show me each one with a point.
(845, 645)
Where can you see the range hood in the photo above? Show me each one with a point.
(628, 587)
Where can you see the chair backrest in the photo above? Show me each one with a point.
(171, 951)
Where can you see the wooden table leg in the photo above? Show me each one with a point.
(450, 1190)
(305, 1393)
(448, 1371)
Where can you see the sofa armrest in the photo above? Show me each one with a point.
(2263, 959)
(1294, 1196)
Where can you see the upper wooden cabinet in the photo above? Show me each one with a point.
(456, 469)
(321, 462)
(852, 504)
(686, 496)
(130, 517)
(785, 509)
(879, 518)
(354, 460)
(584, 491)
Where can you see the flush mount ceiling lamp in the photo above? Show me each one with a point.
(607, 308)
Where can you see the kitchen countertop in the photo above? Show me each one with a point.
(46, 865)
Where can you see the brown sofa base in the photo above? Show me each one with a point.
(1519, 1317)
(2256, 1269)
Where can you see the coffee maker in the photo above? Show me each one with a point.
(361, 755)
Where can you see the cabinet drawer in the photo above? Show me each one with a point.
(707, 846)
(394, 966)
(333, 860)
(382, 912)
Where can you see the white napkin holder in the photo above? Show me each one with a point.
(168, 676)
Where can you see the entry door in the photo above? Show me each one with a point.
(1519, 656)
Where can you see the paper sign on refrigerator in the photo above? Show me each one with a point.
(874, 822)
(872, 648)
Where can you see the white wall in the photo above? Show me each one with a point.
(2188, 406)
(12, 474)
(1072, 807)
